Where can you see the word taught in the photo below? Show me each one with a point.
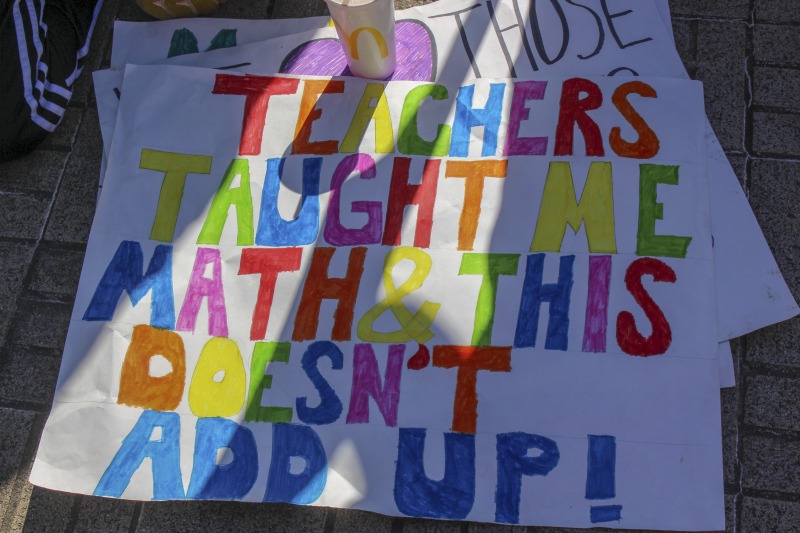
(559, 204)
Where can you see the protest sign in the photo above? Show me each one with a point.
(619, 37)
(626, 37)
(403, 288)
(142, 43)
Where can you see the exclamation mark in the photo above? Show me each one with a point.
(600, 478)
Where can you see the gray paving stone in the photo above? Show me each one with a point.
(38, 171)
(768, 516)
(771, 464)
(738, 164)
(48, 511)
(64, 136)
(16, 426)
(778, 11)
(776, 133)
(721, 66)
(777, 44)
(27, 375)
(14, 520)
(730, 513)
(421, 525)
(299, 8)
(775, 195)
(56, 271)
(14, 261)
(22, 214)
(685, 33)
(737, 347)
(15, 517)
(74, 207)
(760, 402)
(179, 517)
(347, 520)
(710, 8)
(775, 345)
(776, 87)
(475, 527)
(104, 515)
(728, 400)
(40, 324)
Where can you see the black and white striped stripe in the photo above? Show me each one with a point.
(46, 97)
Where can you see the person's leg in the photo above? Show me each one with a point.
(44, 44)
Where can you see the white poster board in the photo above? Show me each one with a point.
(257, 289)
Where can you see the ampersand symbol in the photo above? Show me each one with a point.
(413, 326)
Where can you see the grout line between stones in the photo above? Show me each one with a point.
(31, 407)
(738, 501)
(74, 514)
(772, 495)
(712, 19)
(330, 519)
(787, 435)
(776, 110)
(397, 525)
(693, 28)
(772, 370)
(738, 480)
(137, 513)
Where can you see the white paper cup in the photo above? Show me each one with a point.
(366, 32)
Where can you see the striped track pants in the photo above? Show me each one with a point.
(43, 44)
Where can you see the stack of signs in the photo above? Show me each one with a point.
(489, 292)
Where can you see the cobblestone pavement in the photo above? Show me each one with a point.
(745, 51)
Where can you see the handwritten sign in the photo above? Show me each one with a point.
(491, 301)
(453, 40)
